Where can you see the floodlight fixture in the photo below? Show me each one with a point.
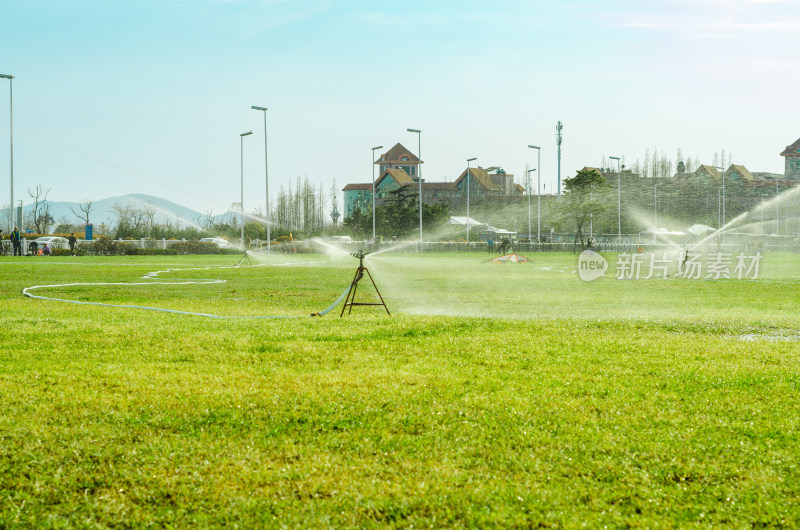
(419, 178)
(538, 197)
(11, 148)
(619, 198)
(469, 224)
(722, 173)
(241, 165)
(373, 188)
(266, 175)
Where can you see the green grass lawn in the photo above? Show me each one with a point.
(495, 395)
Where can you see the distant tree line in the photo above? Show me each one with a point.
(299, 210)
(397, 215)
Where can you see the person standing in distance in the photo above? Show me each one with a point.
(72, 242)
(15, 241)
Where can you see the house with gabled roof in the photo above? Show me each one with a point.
(480, 183)
(740, 173)
(734, 174)
(398, 157)
(391, 179)
(399, 167)
(792, 161)
(707, 171)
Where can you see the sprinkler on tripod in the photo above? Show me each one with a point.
(350, 301)
(245, 258)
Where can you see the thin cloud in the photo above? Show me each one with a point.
(710, 29)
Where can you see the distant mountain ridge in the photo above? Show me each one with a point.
(102, 211)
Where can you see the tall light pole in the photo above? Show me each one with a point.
(241, 164)
(419, 179)
(373, 188)
(528, 184)
(777, 211)
(468, 218)
(11, 136)
(559, 128)
(538, 195)
(266, 173)
(655, 210)
(619, 199)
(722, 172)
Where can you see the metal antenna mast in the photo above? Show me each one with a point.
(559, 127)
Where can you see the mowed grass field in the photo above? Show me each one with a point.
(494, 395)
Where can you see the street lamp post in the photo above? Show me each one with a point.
(619, 199)
(538, 196)
(419, 179)
(777, 211)
(373, 188)
(591, 214)
(468, 218)
(241, 165)
(528, 185)
(722, 172)
(266, 173)
(11, 136)
(655, 210)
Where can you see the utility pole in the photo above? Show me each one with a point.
(559, 127)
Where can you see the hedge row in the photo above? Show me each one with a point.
(108, 247)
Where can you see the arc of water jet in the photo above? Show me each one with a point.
(327, 245)
(394, 247)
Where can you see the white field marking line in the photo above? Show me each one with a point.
(154, 275)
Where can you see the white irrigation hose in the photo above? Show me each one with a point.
(154, 276)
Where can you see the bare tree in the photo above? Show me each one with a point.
(129, 219)
(207, 220)
(40, 213)
(149, 211)
(85, 207)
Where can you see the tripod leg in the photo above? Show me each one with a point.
(353, 300)
(377, 291)
(351, 296)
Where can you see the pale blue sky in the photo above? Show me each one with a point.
(114, 97)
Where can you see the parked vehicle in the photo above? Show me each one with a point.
(221, 243)
(51, 241)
